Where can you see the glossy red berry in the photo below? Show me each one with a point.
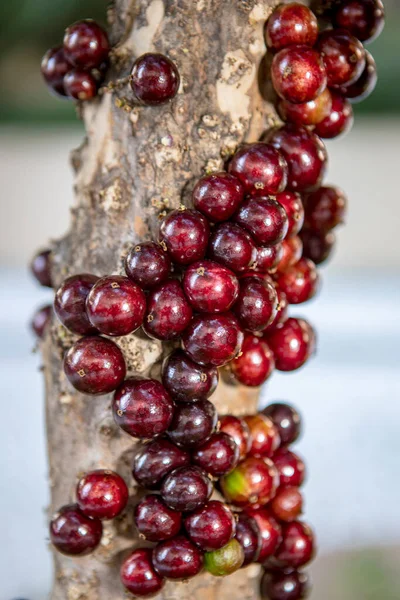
(317, 245)
(291, 24)
(264, 218)
(142, 407)
(307, 113)
(284, 585)
(292, 251)
(218, 196)
(340, 119)
(73, 533)
(290, 467)
(253, 482)
(238, 429)
(155, 460)
(148, 265)
(186, 489)
(297, 546)
(298, 74)
(224, 561)
(116, 306)
(211, 526)
(264, 436)
(248, 536)
(286, 419)
(343, 56)
(256, 362)
(86, 44)
(213, 340)
(233, 247)
(305, 153)
(41, 268)
(292, 343)
(299, 282)
(80, 85)
(325, 208)
(261, 169)
(54, 67)
(70, 303)
(41, 320)
(95, 365)
(185, 235)
(267, 258)
(364, 85)
(293, 205)
(281, 314)
(257, 303)
(168, 311)
(186, 380)
(364, 19)
(193, 423)
(155, 521)
(139, 576)
(218, 456)
(154, 79)
(177, 558)
(102, 494)
(269, 529)
(210, 287)
(288, 504)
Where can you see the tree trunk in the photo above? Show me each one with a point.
(135, 163)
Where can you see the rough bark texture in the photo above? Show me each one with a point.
(135, 163)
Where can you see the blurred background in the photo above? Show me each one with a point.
(349, 395)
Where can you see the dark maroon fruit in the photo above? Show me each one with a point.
(270, 531)
(210, 287)
(41, 320)
(291, 24)
(148, 265)
(186, 380)
(257, 303)
(193, 423)
(307, 113)
(41, 268)
(155, 521)
(54, 67)
(238, 429)
(86, 44)
(256, 362)
(288, 504)
(290, 467)
(293, 205)
(325, 208)
(364, 19)
(233, 247)
(267, 258)
(299, 282)
(253, 482)
(218, 196)
(343, 56)
(264, 436)
(340, 119)
(211, 526)
(73, 533)
(297, 546)
(264, 218)
(177, 558)
(95, 365)
(292, 342)
(185, 235)
(284, 585)
(213, 340)
(364, 85)
(305, 153)
(142, 407)
(139, 576)
(70, 303)
(248, 536)
(281, 314)
(186, 489)
(298, 74)
(261, 169)
(317, 245)
(80, 85)
(155, 460)
(168, 311)
(218, 456)
(286, 419)
(116, 306)
(292, 251)
(154, 79)
(102, 494)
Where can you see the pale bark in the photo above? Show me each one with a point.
(135, 163)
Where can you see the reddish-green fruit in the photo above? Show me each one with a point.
(238, 429)
(253, 482)
(226, 560)
(264, 436)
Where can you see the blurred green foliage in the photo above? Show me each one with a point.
(29, 27)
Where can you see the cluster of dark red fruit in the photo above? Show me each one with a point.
(318, 74)
(78, 67)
